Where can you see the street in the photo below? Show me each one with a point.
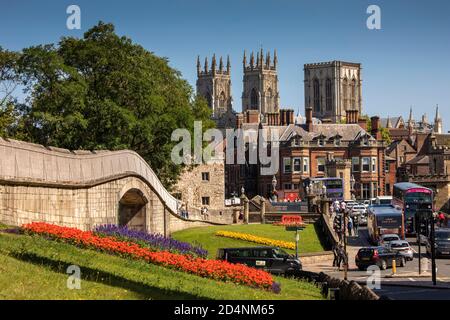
(406, 284)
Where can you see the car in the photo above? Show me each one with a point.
(385, 239)
(357, 210)
(350, 204)
(378, 256)
(271, 259)
(366, 203)
(383, 200)
(441, 243)
(362, 220)
(402, 247)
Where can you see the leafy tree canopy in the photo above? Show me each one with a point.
(102, 92)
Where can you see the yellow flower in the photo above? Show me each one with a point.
(256, 239)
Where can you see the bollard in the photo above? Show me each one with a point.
(394, 266)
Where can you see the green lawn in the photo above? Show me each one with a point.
(32, 267)
(309, 240)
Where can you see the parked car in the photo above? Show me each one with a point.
(366, 203)
(385, 239)
(271, 259)
(358, 210)
(350, 204)
(441, 243)
(362, 220)
(402, 247)
(378, 256)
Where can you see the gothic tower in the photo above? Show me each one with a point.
(260, 83)
(332, 88)
(215, 85)
(437, 122)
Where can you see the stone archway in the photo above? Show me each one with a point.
(132, 210)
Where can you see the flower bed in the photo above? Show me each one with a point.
(256, 239)
(213, 269)
(154, 241)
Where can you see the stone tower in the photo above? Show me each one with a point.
(437, 122)
(215, 85)
(260, 83)
(332, 88)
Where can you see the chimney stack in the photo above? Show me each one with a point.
(376, 133)
(309, 122)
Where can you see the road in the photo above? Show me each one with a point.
(406, 284)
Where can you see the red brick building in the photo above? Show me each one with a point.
(304, 149)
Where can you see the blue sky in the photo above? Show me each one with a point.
(406, 63)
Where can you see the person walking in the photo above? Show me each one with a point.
(336, 255)
(441, 219)
(350, 227)
(356, 225)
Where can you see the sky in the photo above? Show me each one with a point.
(405, 64)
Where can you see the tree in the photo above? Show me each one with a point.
(385, 135)
(105, 92)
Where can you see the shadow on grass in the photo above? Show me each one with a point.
(145, 291)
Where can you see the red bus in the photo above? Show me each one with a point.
(411, 198)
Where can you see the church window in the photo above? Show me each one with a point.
(222, 100)
(316, 95)
(328, 95)
(345, 93)
(353, 100)
(254, 100)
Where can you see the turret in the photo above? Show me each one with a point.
(199, 68)
(437, 122)
(244, 60)
(213, 64)
(228, 64)
(206, 65)
(221, 65)
(275, 59)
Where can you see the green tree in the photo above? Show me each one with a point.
(105, 92)
(385, 135)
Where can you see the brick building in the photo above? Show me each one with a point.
(304, 150)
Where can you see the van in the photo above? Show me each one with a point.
(271, 259)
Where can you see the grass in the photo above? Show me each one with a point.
(309, 240)
(32, 267)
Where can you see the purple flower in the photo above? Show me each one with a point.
(153, 240)
(276, 287)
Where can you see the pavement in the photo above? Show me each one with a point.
(406, 284)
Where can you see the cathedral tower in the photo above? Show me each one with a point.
(332, 88)
(260, 83)
(215, 85)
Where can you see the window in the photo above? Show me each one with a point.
(345, 93)
(287, 165)
(297, 164)
(365, 192)
(320, 142)
(321, 164)
(387, 167)
(355, 164)
(222, 100)
(287, 186)
(296, 186)
(374, 189)
(205, 201)
(205, 176)
(402, 159)
(328, 95)
(365, 164)
(374, 164)
(305, 165)
(254, 100)
(316, 95)
(353, 98)
(337, 141)
(388, 189)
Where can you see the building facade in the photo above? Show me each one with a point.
(332, 88)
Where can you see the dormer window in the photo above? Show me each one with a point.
(321, 142)
(365, 141)
(297, 142)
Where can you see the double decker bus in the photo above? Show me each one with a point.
(411, 198)
(384, 219)
(334, 186)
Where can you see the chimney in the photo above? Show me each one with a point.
(376, 133)
(363, 123)
(283, 117)
(352, 116)
(290, 116)
(309, 122)
(252, 116)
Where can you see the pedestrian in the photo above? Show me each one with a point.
(336, 255)
(356, 224)
(350, 226)
(343, 207)
(441, 219)
(340, 254)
